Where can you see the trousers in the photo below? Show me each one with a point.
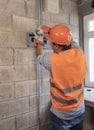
(60, 124)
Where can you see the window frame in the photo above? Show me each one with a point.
(88, 35)
(84, 9)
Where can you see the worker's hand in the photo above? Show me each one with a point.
(40, 34)
(38, 41)
(39, 38)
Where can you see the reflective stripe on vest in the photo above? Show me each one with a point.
(66, 90)
(68, 102)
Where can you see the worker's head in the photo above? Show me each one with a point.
(60, 35)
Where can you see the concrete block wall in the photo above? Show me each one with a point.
(83, 1)
(18, 75)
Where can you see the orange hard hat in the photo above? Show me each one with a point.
(60, 34)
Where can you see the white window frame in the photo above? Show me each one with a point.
(87, 34)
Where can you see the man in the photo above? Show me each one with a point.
(67, 67)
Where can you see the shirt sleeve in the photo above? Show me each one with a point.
(75, 45)
(44, 60)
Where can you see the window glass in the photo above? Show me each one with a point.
(91, 25)
(91, 58)
(89, 48)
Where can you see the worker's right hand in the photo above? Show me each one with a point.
(38, 41)
(40, 33)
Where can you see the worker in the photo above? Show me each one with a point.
(67, 67)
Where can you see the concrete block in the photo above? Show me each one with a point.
(74, 20)
(5, 21)
(7, 124)
(32, 8)
(2, 2)
(21, 105)
(33, 103)
(22, 89)
(74, 31)
(6, 39)
(22, 121)
(45, 87)
(24, 56)
(33, 119)
(6, 91)
(33, 87)
(60, 18)
(26, 121)
(45, 100)
(16, 7)
(14, 107)
(14, 73)
(13, 39)
(25, 88)
(53, 6)
(6, 56)
(68, 6)
(20, 40)
(46, 19)
(24, 24)
(33, 71)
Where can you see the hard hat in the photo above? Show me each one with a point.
(60, 34)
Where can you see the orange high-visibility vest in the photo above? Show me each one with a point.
(68, 72)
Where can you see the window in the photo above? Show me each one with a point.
(89, 48)
(91, 25)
